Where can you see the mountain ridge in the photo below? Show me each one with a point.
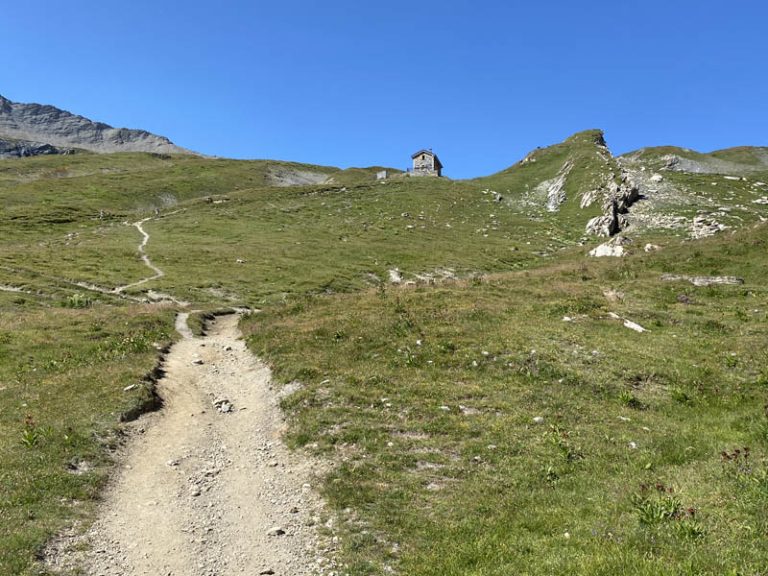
(26, 129)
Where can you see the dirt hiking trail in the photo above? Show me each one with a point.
(206, 487)
(157, 272)
(147, 262)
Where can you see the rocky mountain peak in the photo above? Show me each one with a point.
(25, 128)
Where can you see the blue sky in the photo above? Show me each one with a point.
(366, 83)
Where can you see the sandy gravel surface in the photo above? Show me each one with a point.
(206, 486)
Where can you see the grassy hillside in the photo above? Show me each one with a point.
(585, 164)
(64, 370)
(423, 391)
(351, 235)
(651, 457)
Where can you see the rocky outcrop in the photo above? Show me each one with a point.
(555, 188)
(22, 148)
(619, 196)
(705, 225)
(60, 130)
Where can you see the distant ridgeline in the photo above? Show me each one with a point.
(577, 181)
(33, 129)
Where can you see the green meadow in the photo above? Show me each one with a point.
(487, 413)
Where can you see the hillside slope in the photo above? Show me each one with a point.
(579, 183)
(478, 384)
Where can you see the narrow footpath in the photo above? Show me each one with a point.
(147, 262)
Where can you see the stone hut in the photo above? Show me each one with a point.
(426, 163)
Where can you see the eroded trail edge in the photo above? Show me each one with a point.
(207, 487)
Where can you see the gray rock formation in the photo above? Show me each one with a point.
(555, 188)
(22, 148)
(47, 129)
(619, 197)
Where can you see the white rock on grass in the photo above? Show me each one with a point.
(628, 323)
(607, 250)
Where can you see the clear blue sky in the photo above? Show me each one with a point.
(362, 83)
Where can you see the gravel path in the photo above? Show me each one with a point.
(206, 487)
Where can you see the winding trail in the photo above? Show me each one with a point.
(206, 487)
(145, 258)
(119, 291)
(152, 295)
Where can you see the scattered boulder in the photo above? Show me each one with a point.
(607, 250)
(395, 277)
(628, 323)
(704, 226)
(612, 248)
